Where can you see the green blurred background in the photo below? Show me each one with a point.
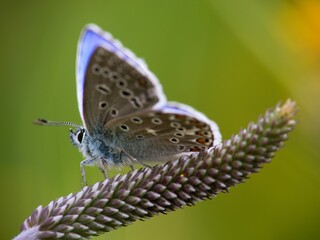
(229, 59)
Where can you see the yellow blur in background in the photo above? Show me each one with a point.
(229, 59)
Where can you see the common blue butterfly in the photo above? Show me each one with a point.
(126, 116)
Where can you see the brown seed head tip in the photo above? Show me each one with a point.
(288, 109)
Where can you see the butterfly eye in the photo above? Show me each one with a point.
(80, 136)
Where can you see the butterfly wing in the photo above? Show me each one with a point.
(165, 134)
(111, 81)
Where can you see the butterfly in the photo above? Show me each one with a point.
(126, 117)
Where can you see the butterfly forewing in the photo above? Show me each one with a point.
(111, 81)
(113, 88)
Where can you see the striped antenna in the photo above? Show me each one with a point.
(44, 122)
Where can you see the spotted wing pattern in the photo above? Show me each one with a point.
(163, 135)
(112, 82)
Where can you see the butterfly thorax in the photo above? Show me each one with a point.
(98, 147)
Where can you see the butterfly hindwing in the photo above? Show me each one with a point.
(163, 135)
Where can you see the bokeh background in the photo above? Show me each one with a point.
(229, 59)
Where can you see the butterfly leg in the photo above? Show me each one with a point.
(143, 164)
(103, 166)
(133, 159)
(86, 162)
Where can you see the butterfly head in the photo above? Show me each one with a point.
(78, 137)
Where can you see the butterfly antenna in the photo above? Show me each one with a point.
(44, 122)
